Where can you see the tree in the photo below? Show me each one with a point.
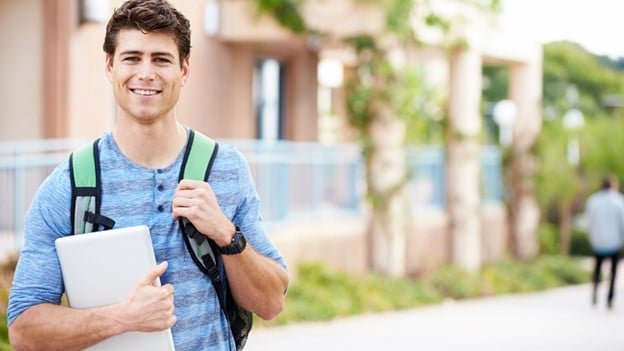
(575, 78)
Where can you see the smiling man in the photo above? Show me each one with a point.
(147, 47)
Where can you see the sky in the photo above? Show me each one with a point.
(597, 25)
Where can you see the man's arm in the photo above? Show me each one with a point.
(258, 283)
(53, 327)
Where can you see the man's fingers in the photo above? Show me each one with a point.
(155, 273)
(186, 184)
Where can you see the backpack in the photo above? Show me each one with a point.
(200, 154)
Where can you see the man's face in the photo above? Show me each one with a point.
(146, 75)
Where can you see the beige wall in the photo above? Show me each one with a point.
(91, 102)
(344, 244)
(21, 69)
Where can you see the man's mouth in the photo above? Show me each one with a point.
(145, 92)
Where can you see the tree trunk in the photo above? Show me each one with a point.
(523, 208)
(565, 226)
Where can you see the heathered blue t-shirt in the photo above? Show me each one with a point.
(136, 195)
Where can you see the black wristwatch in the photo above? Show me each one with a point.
(237, 245)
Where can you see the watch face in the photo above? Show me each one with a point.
(237, 241)
(236, 246)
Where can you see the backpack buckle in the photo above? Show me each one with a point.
(98, 219)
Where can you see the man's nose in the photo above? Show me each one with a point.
(146, 71)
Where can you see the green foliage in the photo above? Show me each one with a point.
(418, 106)
(548, 237)
(563, 270)
(557, 180)
(321, 293)
(617, 64)
(495, 83)
(568, 65)
(398, 15)
(434, 20)
(507, 276)
(605, 156)
(453, 282)
(549, 240)
(579, 244)
(6, 277)
(493, 6)
(286, 12)
(4, 334)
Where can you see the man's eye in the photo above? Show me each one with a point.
(131, 59)
(162, 60)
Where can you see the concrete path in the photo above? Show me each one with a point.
(556, 320)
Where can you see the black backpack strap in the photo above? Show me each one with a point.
(84, 169)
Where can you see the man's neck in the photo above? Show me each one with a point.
(153, 146)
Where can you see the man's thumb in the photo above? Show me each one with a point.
(156, 272)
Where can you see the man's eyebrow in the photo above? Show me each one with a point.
(130, 52)
(154, 54)
(163, 53)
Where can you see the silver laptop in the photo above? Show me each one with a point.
(101, 268)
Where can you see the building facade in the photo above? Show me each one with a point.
(252, 79)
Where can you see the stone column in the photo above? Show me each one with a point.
(387, 172)
(57, 29)
(463, 159)
(526, 91)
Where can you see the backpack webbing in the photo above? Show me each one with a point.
(84, 168)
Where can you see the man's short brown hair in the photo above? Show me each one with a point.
(149, 16)
(609, 181)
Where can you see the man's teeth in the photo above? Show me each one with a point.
(146, 92)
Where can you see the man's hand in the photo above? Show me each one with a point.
(197, 202)
(148, 307)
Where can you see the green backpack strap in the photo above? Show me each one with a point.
(84, 169)
(197, 164)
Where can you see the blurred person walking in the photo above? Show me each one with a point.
(605, 211)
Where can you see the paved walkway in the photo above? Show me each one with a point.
(558, 319)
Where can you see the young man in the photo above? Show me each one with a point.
(605, 213)
(147, 48)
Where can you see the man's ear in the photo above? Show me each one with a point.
(186, 70)
(108, 67)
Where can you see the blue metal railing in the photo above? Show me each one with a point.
(294, 180)
(492, 189)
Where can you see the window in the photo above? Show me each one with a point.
(268, 99)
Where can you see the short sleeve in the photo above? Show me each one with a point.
(38, 277)
(248, 217)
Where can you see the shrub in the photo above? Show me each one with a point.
(322, 293)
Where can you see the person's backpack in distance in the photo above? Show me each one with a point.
(201, 152)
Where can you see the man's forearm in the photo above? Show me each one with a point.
(51, 327)
(258, 284)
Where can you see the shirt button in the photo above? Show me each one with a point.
(160, 187)
(161, 208)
